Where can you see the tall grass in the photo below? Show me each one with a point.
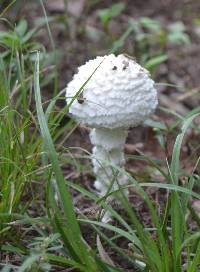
(39, 221)
(175, 246)
(19, 151)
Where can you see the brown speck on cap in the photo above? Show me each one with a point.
(126, 64)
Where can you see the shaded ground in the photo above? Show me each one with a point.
(82, 36)
(87, 38)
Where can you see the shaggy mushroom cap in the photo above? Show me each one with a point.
(120, 93)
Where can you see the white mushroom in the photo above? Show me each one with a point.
(119, 95)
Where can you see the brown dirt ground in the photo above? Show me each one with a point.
(182, 68)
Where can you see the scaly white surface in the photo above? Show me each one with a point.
(115, 139)
(108, 152)
(120, 93)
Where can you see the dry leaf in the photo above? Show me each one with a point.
(103, 254)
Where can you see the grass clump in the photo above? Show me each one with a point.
(43, 226)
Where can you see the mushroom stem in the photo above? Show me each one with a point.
(108, 150)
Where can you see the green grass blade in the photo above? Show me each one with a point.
(175, 167)
(195, 265)
(178, 224)
(72, 226)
